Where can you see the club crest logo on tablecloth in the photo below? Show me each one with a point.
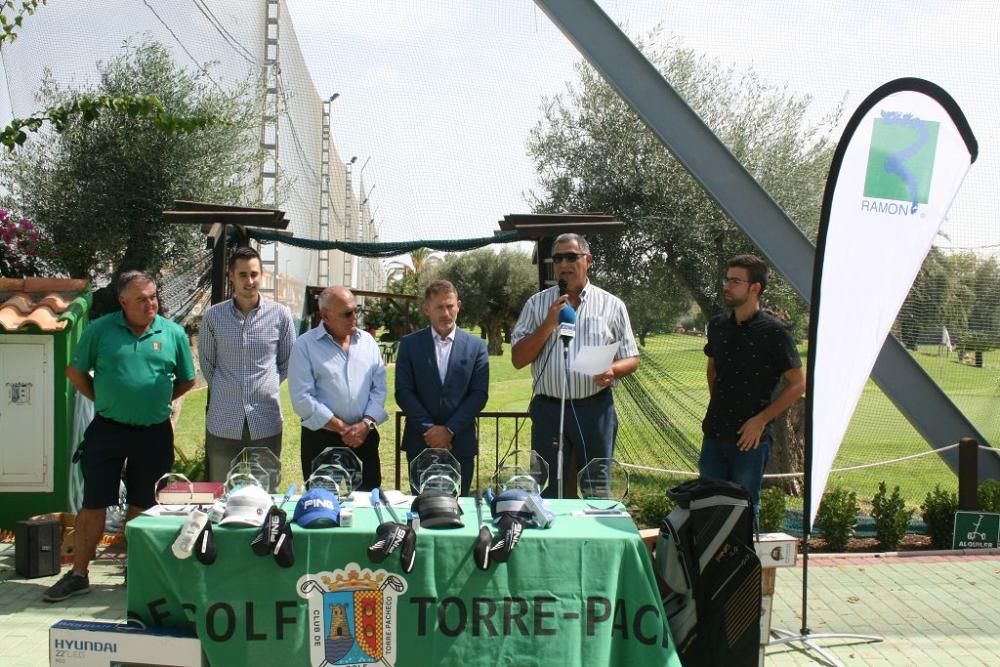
(352, 615)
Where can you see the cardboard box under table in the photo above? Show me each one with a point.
(97, 644)
(774, 550)
(581, 592)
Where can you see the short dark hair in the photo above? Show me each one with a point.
(129, 277)
(439, 287)
(755, 266)
(245, 252)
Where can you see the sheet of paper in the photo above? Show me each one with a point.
(169, 510)
(395, 498)
(594, 359)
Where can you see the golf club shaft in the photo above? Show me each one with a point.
(385, 501)
(288, 494)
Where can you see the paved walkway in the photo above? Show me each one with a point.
(931, 610)
(25, 618)
(941, 609)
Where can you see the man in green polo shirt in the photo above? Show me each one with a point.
(141, 363)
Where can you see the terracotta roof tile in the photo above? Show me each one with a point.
(36, 302)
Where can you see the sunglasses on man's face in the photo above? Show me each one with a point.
(570, 257)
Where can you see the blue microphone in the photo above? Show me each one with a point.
(567, 324)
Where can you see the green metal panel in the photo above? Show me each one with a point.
(19, 506)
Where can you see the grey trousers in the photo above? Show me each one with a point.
(220, 452)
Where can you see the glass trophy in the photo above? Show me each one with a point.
(334, 479)
(246, 473)
(168, 485)
(239, 480)
(346, 460)
(603, 479)
(436, 470)
(522, 469)
(266, 460)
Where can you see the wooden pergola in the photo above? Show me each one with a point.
(215, 221)
(543, 228)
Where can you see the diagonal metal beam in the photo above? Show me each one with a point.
(743, 199)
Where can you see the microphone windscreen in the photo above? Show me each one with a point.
(563, 288)
(567, 315)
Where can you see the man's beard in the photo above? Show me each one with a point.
(733, 302)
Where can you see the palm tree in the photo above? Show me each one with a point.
(421, 259)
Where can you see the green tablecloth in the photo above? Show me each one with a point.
(581, 592)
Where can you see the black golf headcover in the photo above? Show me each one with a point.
(204, 546)
(408, 553)
(481, 553)
(510, 534)
(284, 554)
(267, 536)
(389, 536)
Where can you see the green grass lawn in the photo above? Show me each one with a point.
(675, 380)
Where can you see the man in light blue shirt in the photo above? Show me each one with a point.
(337, 384)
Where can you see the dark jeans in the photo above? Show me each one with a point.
(589, 433)
(107, 445)
(722, 459)
(314, 442)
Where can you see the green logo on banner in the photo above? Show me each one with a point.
(901, 158)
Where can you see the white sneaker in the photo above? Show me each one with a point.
(190, 531)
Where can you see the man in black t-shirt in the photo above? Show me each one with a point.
(749, 351)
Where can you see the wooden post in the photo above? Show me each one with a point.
(217, 241)
(968, 474)
(214, 219)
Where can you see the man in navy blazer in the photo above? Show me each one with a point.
(442, 382)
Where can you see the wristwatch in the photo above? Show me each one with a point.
(369, 422)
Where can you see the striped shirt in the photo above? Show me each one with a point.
(244, 358)
(325, 381)
(601, 319)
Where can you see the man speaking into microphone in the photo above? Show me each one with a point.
(591, 317)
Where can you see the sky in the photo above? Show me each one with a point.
(437, 97)
(442, 94)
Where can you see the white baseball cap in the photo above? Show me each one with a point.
(247, 506)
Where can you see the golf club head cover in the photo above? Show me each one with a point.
(408, 552)
(188, 535)
(510, 534)
(204, 546)
(389, 536)
(481, 552)
(284, 554)
(266, 537)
